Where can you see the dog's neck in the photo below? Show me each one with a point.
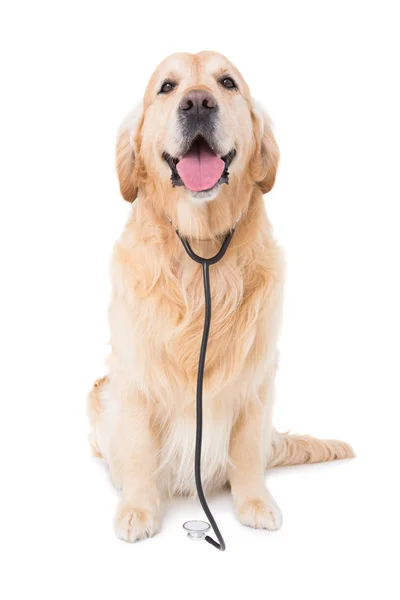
(215, 236)
(208, 221)
(204, 227)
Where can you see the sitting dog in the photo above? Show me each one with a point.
(197, 155)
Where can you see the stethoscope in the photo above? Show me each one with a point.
(197, 530)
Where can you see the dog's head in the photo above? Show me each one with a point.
(196, 134)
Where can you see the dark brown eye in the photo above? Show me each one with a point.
(228, 83)
(167, 87)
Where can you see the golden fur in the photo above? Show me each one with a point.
(143, 413)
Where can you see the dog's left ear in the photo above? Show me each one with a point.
(265, 158)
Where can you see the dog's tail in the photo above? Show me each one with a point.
(289, 449)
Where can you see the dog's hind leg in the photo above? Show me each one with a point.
(95, 410)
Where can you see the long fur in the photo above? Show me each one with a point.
(143, 413)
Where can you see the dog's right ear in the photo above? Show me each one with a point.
(127, 154)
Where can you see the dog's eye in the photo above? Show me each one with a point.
(167, 87)
(228, 83)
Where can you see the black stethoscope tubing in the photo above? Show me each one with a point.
(206, 263)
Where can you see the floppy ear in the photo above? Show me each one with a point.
(265, 159)
(126, 155)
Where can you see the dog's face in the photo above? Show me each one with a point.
(197, 116)
(196, 132)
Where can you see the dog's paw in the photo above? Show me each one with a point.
(133, 524)
(260, 512)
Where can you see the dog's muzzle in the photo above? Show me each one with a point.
(198, 116)
(200, 165)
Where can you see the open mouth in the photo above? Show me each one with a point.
(200, 169)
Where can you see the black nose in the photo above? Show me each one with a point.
(200, 102)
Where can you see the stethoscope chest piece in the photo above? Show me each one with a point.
(196, 530)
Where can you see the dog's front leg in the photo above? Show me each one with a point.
(133, 465)
(254, 504)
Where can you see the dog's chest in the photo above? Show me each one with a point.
(163, 305)
(235, 317)
(187, 320)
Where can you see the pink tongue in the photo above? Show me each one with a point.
(200, 169)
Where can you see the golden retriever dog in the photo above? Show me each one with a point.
(197, 155)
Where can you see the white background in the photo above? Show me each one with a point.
(328, 74)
